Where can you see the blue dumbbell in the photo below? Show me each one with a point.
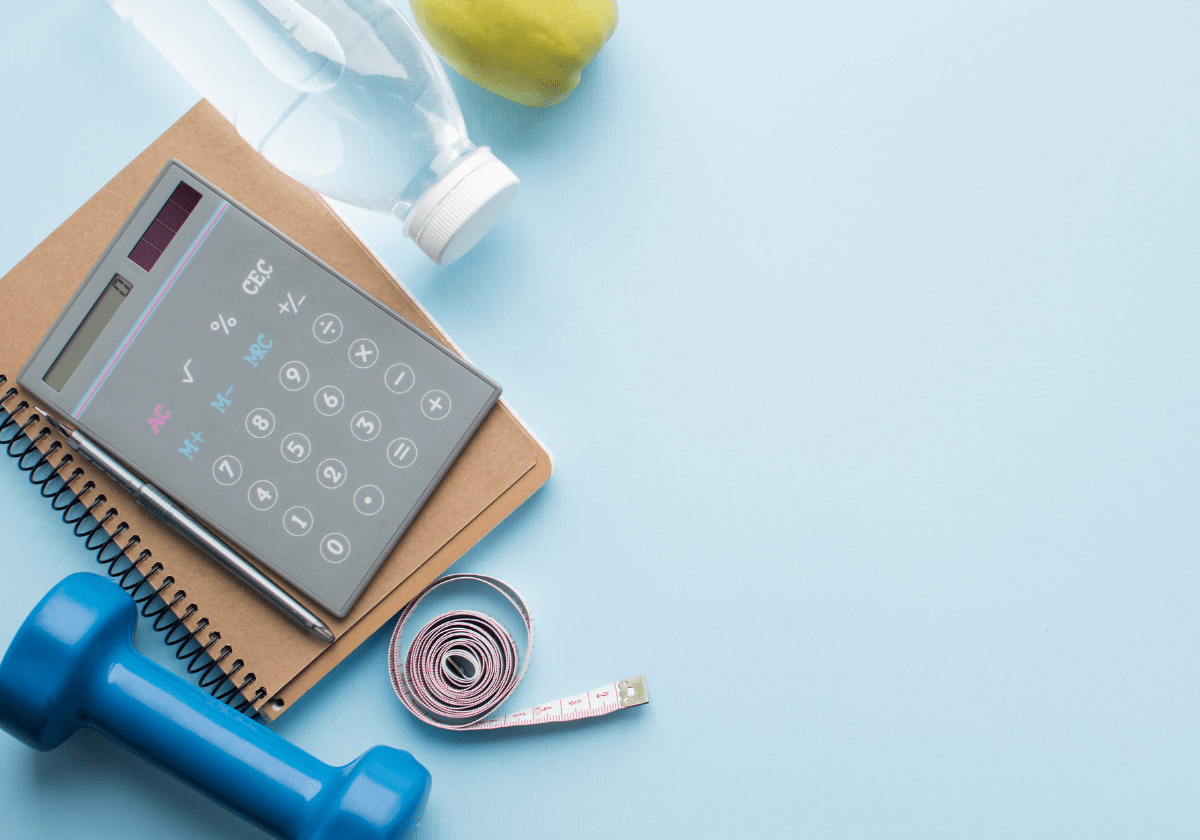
(73, 664)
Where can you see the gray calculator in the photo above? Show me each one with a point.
(291, 412)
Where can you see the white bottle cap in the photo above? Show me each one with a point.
(454, 214)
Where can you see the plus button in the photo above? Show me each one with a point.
(435, 405)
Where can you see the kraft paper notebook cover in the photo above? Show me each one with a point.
(499, 469)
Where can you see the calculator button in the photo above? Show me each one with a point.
(295, 447)
(297, 521)
(331, 473)
(293, 376)
(260, 423)
(402, 452)
(399, 378)
(327, 328)
(262, 495)
(363, 353)
(365, 425)
(227, 470)
(368, 500)
(435, 405)
(335, 547)
(329, 400)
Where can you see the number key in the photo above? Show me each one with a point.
(260, 423)
(297, 521)
(262, 495)
(293, 376)
(295, 447)
(227, 470)
(365, 425)
(331, 473)
(335, 547)
(329, 400)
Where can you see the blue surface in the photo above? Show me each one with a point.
(865, 338)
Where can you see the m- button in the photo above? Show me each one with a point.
(435, 405)
(363, 353)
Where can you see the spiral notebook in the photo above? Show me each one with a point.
(236, 645)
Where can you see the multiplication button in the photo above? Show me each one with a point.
(435, 405)
(335, 547)
(297, 521)
(327, 328)
(363, 353)
(368, 500)
(399, 378)
(293, 376)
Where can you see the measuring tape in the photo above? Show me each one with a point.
(462, 665)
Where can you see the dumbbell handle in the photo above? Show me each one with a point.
(73, 663)
(217, 750)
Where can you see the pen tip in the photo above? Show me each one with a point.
(52, 421)
(323, 633)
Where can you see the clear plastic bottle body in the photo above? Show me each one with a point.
(378, 138)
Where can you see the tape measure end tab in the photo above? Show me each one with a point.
(633, 691)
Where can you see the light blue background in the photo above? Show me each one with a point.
(865, 337)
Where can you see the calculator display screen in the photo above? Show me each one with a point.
(89, 330)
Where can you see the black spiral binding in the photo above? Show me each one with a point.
(89, 525)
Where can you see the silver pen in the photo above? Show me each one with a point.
(155, 501)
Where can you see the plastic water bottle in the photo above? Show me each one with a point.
(344, 96)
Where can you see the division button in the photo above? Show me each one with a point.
(399, 378)
(402, 452)
(363, 352)
(297, 521)
(327, 328)
(368, 500)
(260, 423)
(227, 470)
(365, 425)
(335, 547)
(328, 400)
(331, 473)
(262, 495)
(435, 405)
(295, 447)
(293, 376)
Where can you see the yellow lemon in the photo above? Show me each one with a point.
(529, 51)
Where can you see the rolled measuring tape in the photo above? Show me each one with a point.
(462, 665)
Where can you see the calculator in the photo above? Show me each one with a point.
(294, 414)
